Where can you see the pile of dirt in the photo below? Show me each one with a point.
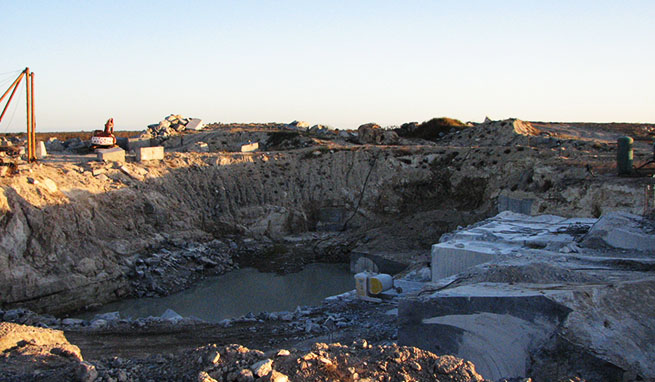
(495, 133)
(432, 130)
(359, 361)
(35, 354)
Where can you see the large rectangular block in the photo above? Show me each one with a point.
(521, 206)
(250, 147)
(115, 154)
(136, 143)
(448, 259)
(195, 124)
(150, 153)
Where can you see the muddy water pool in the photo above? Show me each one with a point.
(238, 292)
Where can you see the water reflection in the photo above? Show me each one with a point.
(239, 292)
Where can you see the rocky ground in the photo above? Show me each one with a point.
(75, 232)
(52, 357)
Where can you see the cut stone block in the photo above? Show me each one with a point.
(115, 154)
(250, 147)
(621, 230)
(330, 219)
(195, 124)
(150, 153)
(134, 144)
(41, 152)
(450, 259)
(496, 331)
(522, 206)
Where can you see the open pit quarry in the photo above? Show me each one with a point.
(519, 251)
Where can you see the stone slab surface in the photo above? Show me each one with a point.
(620, 230)
(519, 294)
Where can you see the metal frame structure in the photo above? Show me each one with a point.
(29, 101)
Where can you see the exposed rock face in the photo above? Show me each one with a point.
(372, 133)
(67, 247)
(543, 303)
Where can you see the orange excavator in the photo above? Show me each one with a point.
(104, 138)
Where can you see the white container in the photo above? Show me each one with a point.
(379, 283)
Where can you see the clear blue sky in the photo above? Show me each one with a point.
(341, 63)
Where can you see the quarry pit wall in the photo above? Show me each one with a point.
(65, 247)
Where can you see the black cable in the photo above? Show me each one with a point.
(361, 196)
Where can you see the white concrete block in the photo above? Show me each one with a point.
(115, 154)
(250, 147)
(195, 124)
(150, 153)
(40, 150)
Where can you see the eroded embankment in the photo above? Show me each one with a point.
(68, 247)
(77, 243)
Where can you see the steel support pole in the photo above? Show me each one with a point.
(28, 95)
(15, 85)
(16, 81)
(33, 117)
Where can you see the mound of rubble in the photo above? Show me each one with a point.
(333, 362)
(38, 354)
(171, 125)
(493, 133)
(431, 130)
(372, 133)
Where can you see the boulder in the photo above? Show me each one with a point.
(262, 368)
(372, 133)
